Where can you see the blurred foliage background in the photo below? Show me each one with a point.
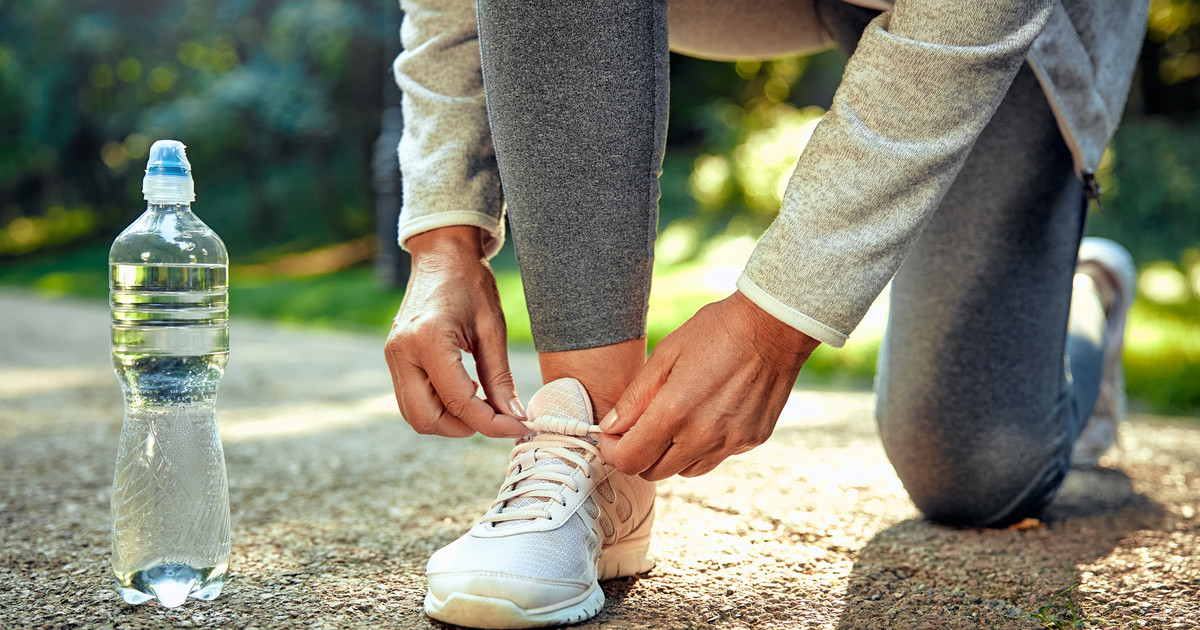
(280, 103)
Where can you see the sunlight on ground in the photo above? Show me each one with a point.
(308, 418)
(32, 381)
(805, 407)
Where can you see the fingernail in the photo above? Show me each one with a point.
(517, 409)
(609, 420)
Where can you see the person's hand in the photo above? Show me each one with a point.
(451, 304)
(713, 388)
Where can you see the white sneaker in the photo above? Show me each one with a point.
(563, 521)
(1119, 279)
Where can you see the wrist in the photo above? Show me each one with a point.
(772, 330)
(460, 241)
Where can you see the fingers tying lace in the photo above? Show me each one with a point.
(529, 487)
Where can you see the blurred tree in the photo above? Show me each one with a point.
(736, 132)
(1151, 172)
(278, 101)
(1170, 62)
(392, 265)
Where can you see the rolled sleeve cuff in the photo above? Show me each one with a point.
(790, 316)
(493, 228)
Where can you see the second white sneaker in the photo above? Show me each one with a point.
(1111, 268)
(564, 520)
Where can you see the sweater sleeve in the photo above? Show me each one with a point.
(925, 80)
(447, 161)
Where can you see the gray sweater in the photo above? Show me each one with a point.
(925, 80)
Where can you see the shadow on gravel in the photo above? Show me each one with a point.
(917, 574)
(615, 591)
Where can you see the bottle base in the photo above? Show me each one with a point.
(170, 584)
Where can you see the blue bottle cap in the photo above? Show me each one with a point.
(167, 157)
(168, 174)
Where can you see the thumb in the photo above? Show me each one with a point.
(640, 392)
(491, 362)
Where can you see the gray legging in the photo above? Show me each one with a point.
(975, 408)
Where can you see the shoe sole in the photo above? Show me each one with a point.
(477, 611)
(1100, 435)
(623, 559)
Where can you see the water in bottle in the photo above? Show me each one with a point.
(170, 342)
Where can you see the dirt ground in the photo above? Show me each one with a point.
(337, 504)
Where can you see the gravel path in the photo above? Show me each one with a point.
(337, 504)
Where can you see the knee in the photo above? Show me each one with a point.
(979, 474)
(971, 493)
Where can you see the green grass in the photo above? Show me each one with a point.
(1054, 614)
(349, 299)
(1162, 356)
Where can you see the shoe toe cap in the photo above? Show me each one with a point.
(521, 571)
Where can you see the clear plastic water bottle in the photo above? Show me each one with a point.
(170, 342)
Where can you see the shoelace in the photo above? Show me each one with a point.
(559, 438)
